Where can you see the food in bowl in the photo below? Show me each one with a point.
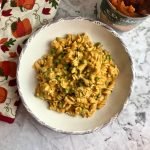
(131, 8)
(121, 6)
(123, 15)
(76, 76)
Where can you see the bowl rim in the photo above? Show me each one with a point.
(109, 29)
(120, 13)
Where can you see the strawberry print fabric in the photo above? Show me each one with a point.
(18, 19)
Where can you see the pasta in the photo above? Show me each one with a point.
(76, 76)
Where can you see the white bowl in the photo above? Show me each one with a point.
(37, 46)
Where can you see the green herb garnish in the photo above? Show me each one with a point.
(98, 96)
(108, 57)
(62, 54)
(68, 67)
(97, 44)
(57, 61)
(52, 51)
(58, 77)
(97, 78)
(60, 104)
(80, 83)
(66, 91)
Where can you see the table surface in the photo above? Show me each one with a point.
(130, 131)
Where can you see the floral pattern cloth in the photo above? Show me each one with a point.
(18, 19)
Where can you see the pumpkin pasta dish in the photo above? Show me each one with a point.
(76, 76)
